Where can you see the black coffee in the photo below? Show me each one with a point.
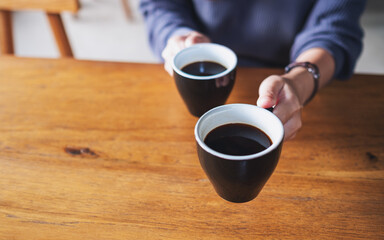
(204, 68)
(237, 139)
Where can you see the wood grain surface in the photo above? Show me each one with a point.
(54, 6)
(96, 150)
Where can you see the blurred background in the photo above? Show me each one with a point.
(102, 30)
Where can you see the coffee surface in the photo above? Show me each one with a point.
(203, 68)
(237, 139)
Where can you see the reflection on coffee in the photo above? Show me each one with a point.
(237, 139)
(203, 68)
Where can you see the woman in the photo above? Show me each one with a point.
(316, 41)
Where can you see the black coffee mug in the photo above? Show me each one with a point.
(204, 92)
(239, 178)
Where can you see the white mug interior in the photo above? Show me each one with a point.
(240, 113)
(205, 52)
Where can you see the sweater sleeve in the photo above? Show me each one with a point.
(166, 18)
(333, 26)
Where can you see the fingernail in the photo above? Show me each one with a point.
(261, 102)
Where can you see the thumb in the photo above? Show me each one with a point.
(195, 37)
(269, 91)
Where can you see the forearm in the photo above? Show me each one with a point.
(333, 26)
(303, 81)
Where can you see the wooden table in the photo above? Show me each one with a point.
(95, 150)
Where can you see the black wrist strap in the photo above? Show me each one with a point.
(312, 69)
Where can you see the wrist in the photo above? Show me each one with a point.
(302, 82)
(300, 77)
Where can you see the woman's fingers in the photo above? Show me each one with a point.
(292, 126)
(269, 91)
(177, 43)
(174, 45)
(277, 91)
(195, 37)
(288, 104)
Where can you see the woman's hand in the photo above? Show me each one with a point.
(280, 92)
(177, 43)
(290, 91)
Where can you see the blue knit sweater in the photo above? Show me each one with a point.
(268, 33)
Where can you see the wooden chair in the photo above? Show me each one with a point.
(127, 10)
(52, 8)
